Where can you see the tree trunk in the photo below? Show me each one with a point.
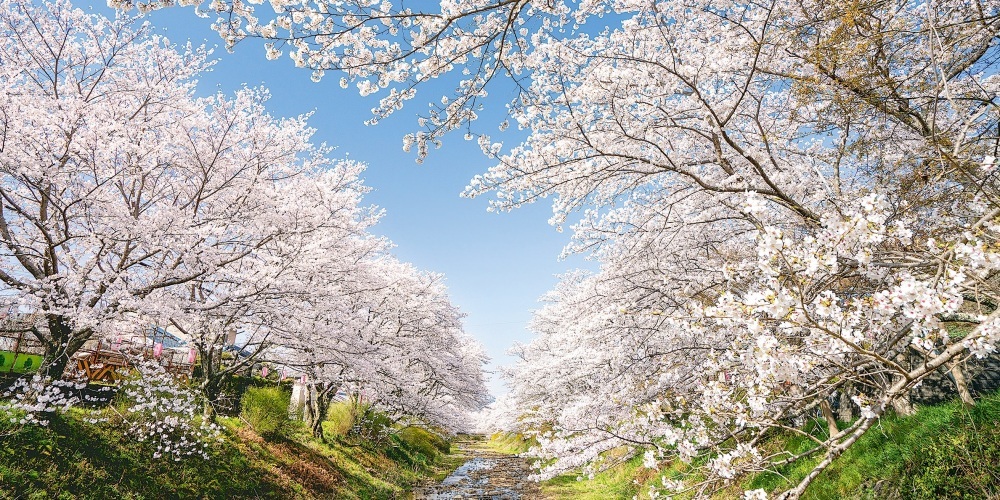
(210, 389)
(60, 345)
(831, 421)
(54, 364)
(901, 404)
(955, 367)
(318, 398)
(317, 427)
(211, 385)
(208, 411)
(845, 413)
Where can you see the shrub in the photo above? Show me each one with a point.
(266, 410)
(229, 402)
(340, 418)
(372, 425)
(423, 441)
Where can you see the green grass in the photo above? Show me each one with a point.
(944, 451)
(509, 443)
(422, 441)
(266, 410)
(73, 458)
(623, 480)
(339, 419)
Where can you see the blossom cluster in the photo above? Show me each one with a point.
(30, 400)
(161, 411)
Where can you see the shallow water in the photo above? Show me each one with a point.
(461, 474)
(486, 475)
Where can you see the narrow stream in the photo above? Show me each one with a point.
(486, 475)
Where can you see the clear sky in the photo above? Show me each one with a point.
(497, 265)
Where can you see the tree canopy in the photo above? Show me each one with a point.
(792, 202)
(128, 202)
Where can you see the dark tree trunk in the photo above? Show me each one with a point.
(211, 385)
(210, 390)
(60, 344)
(902, 404)
(318, 399)
(845, 411)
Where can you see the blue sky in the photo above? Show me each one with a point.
(497, 265)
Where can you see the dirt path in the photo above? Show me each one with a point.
(485, 475)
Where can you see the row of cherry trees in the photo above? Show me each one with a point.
(793, 203)
(126, 201)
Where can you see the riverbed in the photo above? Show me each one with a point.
(486, 474)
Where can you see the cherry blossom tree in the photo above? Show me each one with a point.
(388, 333)
(128, 202)
(792, 202)
(125, 193)
(433, 371)
(95, 217)
(323, 333)
(307, 225)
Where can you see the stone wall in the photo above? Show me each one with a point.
(983, 376)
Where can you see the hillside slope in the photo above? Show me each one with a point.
(942, 451)
(73, 458)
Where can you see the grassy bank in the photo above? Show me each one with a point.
(73, 458)
(944, 451)
(621, 481)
